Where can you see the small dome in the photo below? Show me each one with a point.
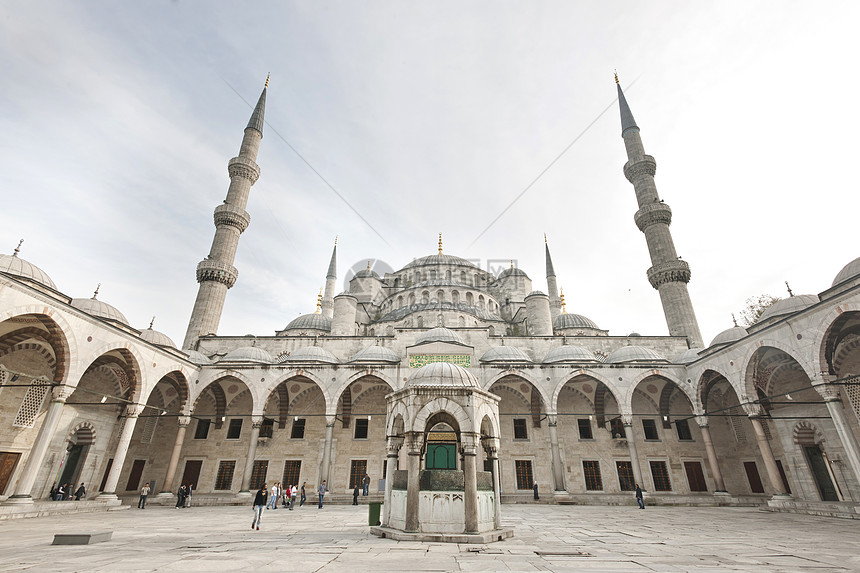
(248, 354)
(633, 354)
(312, 321)
(729, 335)
(505, 354)
(633, 334)
(565, 321)
(512, 272)
(95, 307)
(366, 273)
(439, 334)
(376, 354)
(157, 338)
(443, 374)
(850, 270)
(571, 353)
(689, 355)
(311, 354)
(536, 293)
(440, 259)
(788, 305)
(197, 357)
(18, 267)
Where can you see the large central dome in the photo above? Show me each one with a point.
(440, 259)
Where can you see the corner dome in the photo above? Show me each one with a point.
(505, 354)
(729, 335)
(311, 354)
(442, 374)
(97, 308)
(512, 272)
(366, 273)
(157, 338)
(850, 270)
(788, 305)
(439, 259)
(689, 355)
(565, 321)
(197, 357)
(633, 354)
(248, 354)
(16, 266)
(312, 321)
(439, 334)
(570, 353)
(376, 354)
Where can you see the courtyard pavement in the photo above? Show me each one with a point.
(336, 538)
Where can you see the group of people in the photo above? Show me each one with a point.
(267, 498)
(183, 495)
(365, 486)
(63, 492)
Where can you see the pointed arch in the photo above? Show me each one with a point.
(61, 335)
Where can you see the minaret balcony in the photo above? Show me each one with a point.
(644, 165)
(654, 213)
(669, 272)
(209, 270)
(244, 168)
(232, 216)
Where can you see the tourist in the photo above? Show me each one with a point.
(535, 488)
(180, 497)
(639, 498)
(304, 495)
(53, 495)
(273, 499)
(355, 495)
(144, 491)
(321, 493)
(61, 493)
(80, 492)
(294, 491)
(366, 484)
(259, 506)
(187, 501)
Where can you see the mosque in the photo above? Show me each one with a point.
(763, 415)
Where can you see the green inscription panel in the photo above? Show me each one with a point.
(419, 360)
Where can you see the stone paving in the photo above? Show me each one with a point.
(336, 538)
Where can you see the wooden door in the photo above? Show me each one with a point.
(753, 477)
(191, 475)
(134, 476)
(695, 476)
(107, 471)
(8, 461)
(818, 465)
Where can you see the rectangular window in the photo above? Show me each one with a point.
(202, 431)
(617, 428)
(234, 430)
(224, 479)
(267, 428)
(695, 476)
(298, 431)
(357, 471)
(361, 429)
(134, 476)
(591, 470)
(292, 472)
(650, 429)
(783, 476)
(524, 473)
(585, 429)
(683, 428)
(107, 472)
(258, 473)
(625, 476)
(520, 431)
(660, 475)
(754, 478)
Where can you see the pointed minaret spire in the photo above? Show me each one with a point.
(551, 283)
(151, 322)
(668, 273)
(96, 292)
(330, 284)
(216, 273)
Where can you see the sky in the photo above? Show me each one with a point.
(389, 122)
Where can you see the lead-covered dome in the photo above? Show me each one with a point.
(312, 321)
(565, 321)
(442, 374)
(197, 357)
(849, 271)
(376, 354)
(311, 354)
(365, 274)
(729, 335)
(513, 272)
(689, 355)
(157, 338)
(440, 259)
(97, 308)
(439, 334)
(571, 353)
(248, 354)
(505, 354)
(627, 354)
(787, 306)
(16, 266)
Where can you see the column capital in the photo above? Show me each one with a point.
(256, 421)
(330, 420)
(552, 419)
(627, 419)
(394, 445)
(414, 443)
(753, 410)
(133, 410)
(61, 393)
(184, 421)
(703, 421)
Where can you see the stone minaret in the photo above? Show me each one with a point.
(330, 280)
(668, 273)
(216, 272)
(551, 283)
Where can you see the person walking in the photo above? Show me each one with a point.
(639, 499)
(259, 505)
(321, 493)
(144, 491)
(365, 482)
(294, 491)
(180, 497)
(273, 498)
(61, 492)
(535, 488)
(304, 495)
(80, 492)
(355, 495)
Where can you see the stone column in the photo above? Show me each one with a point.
(132, 411)
(256, 422)
(492, 449)
(325, 466)
(167, 486)
(557, 468)
(712, 454)
(846, 435)
(24, 487)
(470, 478)
(634, 455)
(413, 484)
(394, 445)
(767, 454)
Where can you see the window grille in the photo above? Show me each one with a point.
(149, 428)
(591, 470)
(258, 473)
(357, 471)
(524, 474)
(32, 403)
(292, 471)
(585, 429)
(298, 431)
(520, 431)
(224, 479)
(660, 474)
(626, 481)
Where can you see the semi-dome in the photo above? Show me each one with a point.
(512, 272)
(376, 353)
(787, 306)
(689, 355)
(729, 335)
(197, 357)
(97, 308)
(505, 354)
(439, 334)
(440, 259)
(570, 353)
(157, 338)
(633, 354)
(850, 270)
(248, 354)
(312, 321)
(565, 321)
(443, 374)
(311, 354)
(18, 267)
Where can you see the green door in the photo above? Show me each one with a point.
(441, 457)
(818, 465)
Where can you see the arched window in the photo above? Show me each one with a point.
(455, 297)
(411, 299)
(469, 299)
(432, 274)
(440, 296)
(481, 302)
(463, 277)
(399, 302)
(491, 331)
(417, 277)
(461, 321)
(448, 275)
(476, 279)
(425, 297)
(420, 322)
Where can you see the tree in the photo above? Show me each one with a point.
(755, 306)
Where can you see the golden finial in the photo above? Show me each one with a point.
(440, 243)
(735, 320)
(789, 289)
(267, 81)
(151, 322)
(96, 293)
(335, 240)
(561, 296)
(368, 265)
(616, 76)
(512, 263)
(18, 248)
(544, 239)
(319, 302)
